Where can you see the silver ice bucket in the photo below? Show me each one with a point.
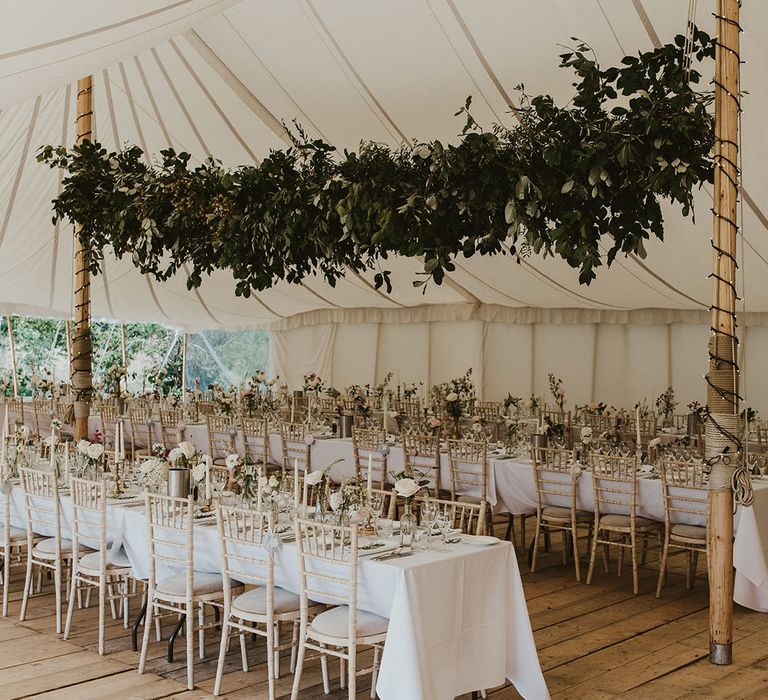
(345, 426)
(179, 482)
(537, 442)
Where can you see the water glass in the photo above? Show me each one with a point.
(385, 527)
(420, 539)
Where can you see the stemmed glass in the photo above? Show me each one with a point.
(443, 522)
(429, 513)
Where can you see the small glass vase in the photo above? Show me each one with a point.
(407, 524)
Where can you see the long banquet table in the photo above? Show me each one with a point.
(458, 618)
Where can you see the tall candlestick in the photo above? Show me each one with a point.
(3, 453)
(207, 477)
(304, 501)
(370, 473)
(293, 407)
(258, 489)
(66, 463)
(122, 441)
(296, 482)
(637, 427)
(117, 441)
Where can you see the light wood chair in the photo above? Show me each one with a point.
(41, 408)
(293, 441)
(171, 544)
(109, 414)
(464, 516)
(12, 542)
(557, 482)
(686, 497)
(761, 429)
(142, 430)
(422, 459)
(15, 411)
(95, 569)
(468, 463)
(170, 434)
(328, 570)
(245, 537)
(614, 482)
(256, 440)
(43, 510)
(221, 437)
(366, 445)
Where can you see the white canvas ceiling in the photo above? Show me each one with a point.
(220, 77)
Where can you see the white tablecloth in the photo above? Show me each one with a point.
(458, 619)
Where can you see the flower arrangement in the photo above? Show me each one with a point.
(185, 455)
(347, 501)
(411, 390)
(112, 378)
(89, 457)
(153, 473)
(534, 405)
(312, 382)
(407, 488)
(641, 408)
(21, 435)
(665, 403)
(456, 395)
(513, 405)
(557, 390)
(697, 409)
(319, 483)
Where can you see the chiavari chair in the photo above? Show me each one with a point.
(221, 437)
(96, 568)
(295, 446)
(13, 540)
(170, 432)
(40, 409)
(686, 497)
(614, 482)
(256, 440)
(171, 545)
(328, 557)
(488, 410)
(411, 408)
(468, 463)
(762, 436)
(422, 459)
(52, 552)
(245, 537)
(142, 430)
(109, 415)
(367, 446)
(14, 407)
(464, 515)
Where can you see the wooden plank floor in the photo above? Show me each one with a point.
(594, 642)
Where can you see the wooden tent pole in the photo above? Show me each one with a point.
(82, 349)
(723, 423)
(68, 331)
(184, 367)
(123, 345)
(14, 368)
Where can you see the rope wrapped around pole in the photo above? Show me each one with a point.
(82, 347)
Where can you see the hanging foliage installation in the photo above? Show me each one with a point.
(562, 181)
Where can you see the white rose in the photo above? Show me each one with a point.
(313, 478)
(263, 482)
(586, 432)
(82, 447)
(273, 482)
(423, 151)
(477, 427)
(231, 461)
(198, 472)
(187, 449)
(174, 455)
(406, 487)
(335, 501)
(96, 450)
(453, 396)
(655, 442)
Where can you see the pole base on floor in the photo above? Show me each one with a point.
(720, 654)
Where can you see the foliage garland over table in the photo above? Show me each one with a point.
(572, 181)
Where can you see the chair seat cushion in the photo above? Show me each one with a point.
(254, 602)
(614, 520)
(47, 547)
(469, 499)
(562, 513)
(334, 623)
(691, 532)
(203, 583)
(17, 535)
(92, 562)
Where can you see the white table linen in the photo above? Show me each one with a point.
(458, 618)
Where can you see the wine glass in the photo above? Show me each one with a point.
(429, 512)
(385, 527)
(443, 522)
(376, 503)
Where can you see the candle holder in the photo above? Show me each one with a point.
(117, 486)
(207, 506)
(368, 529)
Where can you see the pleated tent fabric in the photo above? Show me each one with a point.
(221, 78)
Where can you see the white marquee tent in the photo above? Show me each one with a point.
(219, 77)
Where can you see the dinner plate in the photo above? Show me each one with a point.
(480, 540)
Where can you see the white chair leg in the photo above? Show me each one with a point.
(324, 669)
(190, 635)
(71, 606)
(110, 588)
(375, 673)
(352, 672)
(294, 644)
(222, 653)
(272, 642)
(57, 590)
(342, 673)
(104, 588)
(277, 653)
(147, 629)
(6, 579)
(200, 631)
(244, 651)
(299, 663)
(27, 587)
